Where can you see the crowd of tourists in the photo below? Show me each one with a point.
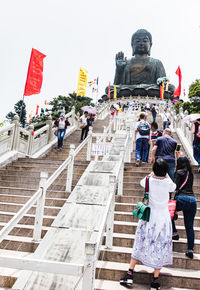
(171, 178)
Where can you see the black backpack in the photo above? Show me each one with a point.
(143, 128)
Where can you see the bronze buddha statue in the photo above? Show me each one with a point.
(140, 74)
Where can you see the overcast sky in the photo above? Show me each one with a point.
(88, 34)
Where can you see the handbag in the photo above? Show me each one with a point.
(172, 202)
(56, 132)
(142, 210)
(82, 126)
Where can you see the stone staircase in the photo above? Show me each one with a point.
(19, 181)
(113, 263)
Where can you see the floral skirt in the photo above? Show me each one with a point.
(153, 242)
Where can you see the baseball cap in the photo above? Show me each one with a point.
(62, 116)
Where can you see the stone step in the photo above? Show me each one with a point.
(23, 199)
(130, 228)
(129, 217)
(24, 230)
(18, 243)
(21, 178)
(129, 207)
(28, 219)
(123, 255)
(126, 240)
(30, 192)
(32, 184)
(15, 207)
(114, 285)
(169, 277)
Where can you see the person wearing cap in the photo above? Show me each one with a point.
(62, 124)
(165, 148)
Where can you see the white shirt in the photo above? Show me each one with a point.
(61, 124)
(84, 119)
(165, 116)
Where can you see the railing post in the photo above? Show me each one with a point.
(121, 176)
(110, 224)
(15, 145)
(49, 122)
(40, 208)
(31, 138)
(89, 268)
(89, 145)
(70, 169)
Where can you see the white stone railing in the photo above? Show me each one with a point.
(183, 130)
(16, 141)
(6, 138)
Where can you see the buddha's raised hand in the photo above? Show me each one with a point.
(120, 60)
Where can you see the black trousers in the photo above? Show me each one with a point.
(84, 133)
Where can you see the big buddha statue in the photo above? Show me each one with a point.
(141, 74)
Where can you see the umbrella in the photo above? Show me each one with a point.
(89, 109)
(191, 118)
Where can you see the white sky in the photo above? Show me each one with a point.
(88, 33)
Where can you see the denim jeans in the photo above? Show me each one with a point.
(196, 153)
(165, 125)
(188, 205)
(154, 116)
(61, 134)
(171, 170)
(141, 146)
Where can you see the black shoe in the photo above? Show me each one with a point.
(127, 279)
(176, 237)
(155, 285)
(189, 255)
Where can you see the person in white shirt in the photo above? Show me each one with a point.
(84, 119)
(166, 119)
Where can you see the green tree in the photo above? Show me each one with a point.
(20, 110)
(194, 89)
(66, 103)
(194, 95)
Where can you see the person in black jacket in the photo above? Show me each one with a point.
(185, 201)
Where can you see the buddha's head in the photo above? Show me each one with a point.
(141, 42)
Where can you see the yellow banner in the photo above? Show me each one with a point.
(82, 82)
(115, 92)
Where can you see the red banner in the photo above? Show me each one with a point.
(108, 95)
(177, 92)
(34, 76)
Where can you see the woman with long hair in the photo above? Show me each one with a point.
(153, 239)
(185, 201)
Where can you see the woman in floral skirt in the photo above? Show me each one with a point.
(153, 239)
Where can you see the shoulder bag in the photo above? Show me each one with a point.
(142, 210)
(172, 202)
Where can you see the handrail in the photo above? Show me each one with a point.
(9, 226)
(6, 128)
(41, 130)
(80, 147)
